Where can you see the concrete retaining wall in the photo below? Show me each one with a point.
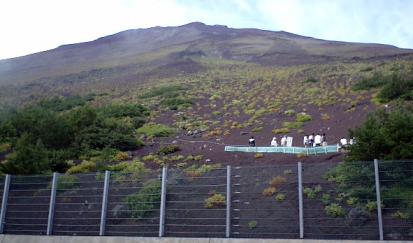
(108, 239)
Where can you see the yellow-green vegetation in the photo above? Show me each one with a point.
(148, 198)
(67, 182)
(280, 197)
(155, 130)
(4, 147)
(121, 156)
(401, 215)
(196, 170)
(84, 167)
(269, 191)
(259, 155)
(335, 210)
(252, 224)
(215, 200)
(303, 117)
(283, 130)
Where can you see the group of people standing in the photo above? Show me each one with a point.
(315, 140)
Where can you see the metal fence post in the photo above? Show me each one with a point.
(4, 202)
(378, 197)
(104, 203)
(300, 200)
(228, 211)
(52, 204)
(163, 202)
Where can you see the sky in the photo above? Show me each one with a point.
(28, 26)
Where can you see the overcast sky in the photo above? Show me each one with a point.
(28, 26)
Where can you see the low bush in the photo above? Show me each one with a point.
(371, 206)
(252, 224)
(196, 171)
(155, 130)
(352, 201)
(84, 167)
(335, 210)
(401, 215)
(259, 155)
(283, 130)
(290, 112)
(303, 117)
(269, 191)
(377, 80)
(121, 156)
(4, 147)
(325, 198)
(293, 125)
(280, 197)
(169, 149)
(216, 200)
(176, 103)
(142, 203)
(310, 193)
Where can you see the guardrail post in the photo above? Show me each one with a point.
(52, 204)
(300, 200)
(378, 198)
(163, 202)
(104, 204)
(228, 211)
(4, 202)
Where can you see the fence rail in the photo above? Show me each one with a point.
(282, 201)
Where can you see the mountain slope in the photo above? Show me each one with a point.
(157, 46)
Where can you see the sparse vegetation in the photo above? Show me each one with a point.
(216, 200)
(335, 210)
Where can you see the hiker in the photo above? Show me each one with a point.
(343, 142)
(284, 141)
(311, 140)
(274, 142)
(317, 140)
(251, 142)
(323, 140)
(305, 141)
(289, 141)
(351, 142)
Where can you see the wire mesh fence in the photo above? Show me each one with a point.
(264, 202)
(351, 200)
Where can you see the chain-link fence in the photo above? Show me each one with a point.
(351, 200)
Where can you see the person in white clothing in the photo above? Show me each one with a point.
(343, 142)
(305, 141)
(274, 142)
(317, 140)
(284, 141)
(311, 140)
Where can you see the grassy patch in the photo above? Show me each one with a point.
(155, 130)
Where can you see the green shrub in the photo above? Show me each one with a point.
(280, 197)
(366, 69)
(325, 198)
(252, 224)
(164, 91)
(290, 112)
(397, 87)
(352, 201)
(146, 200)
(377, 80)
(216, 200)
(303, 117)
(84, 167)
(310, 193)
(155, 130)
(293, 125)
(318, 188)
(196, 171)
(169, 149)
(371, 206)
(176, 103)
(334, 210)
(401, 215)
(283, 130)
